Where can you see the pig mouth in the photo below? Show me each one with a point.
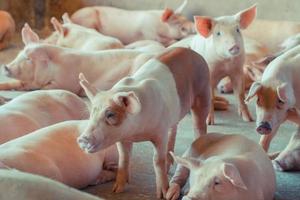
(92, 148)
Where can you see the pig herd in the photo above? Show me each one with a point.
(142, 72)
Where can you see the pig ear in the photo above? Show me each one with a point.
(66, 18)
(90, 90)
(246, 17)
(59, 27)
(129, 100)
(28, 35)
(181, 7)
(282, 92)
(233, 175)
(190, 163)
(204, 25)
(166, 14)
(255, 87)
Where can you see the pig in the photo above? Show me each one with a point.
(277, 95)
(224, 167)
(34, 110)
(289, 158)
(53, 152)
(78, 37)
(220, 42)
(7, 29)
(146, 46)
(18, 185)
(46, 66)
(165, 26)
(167, 87)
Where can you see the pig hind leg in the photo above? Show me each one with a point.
(200, 110)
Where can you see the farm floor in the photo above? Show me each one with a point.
(142, 182)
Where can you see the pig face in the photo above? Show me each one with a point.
(272, 105)
(111, 116)
(225, 32)
(212, 179)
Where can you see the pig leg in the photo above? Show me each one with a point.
(239, 91)
(159, 162)
(211, 116)
(265, 141)
(105, 176)
(11, 85)
(171, 145)
(124, 149)
(200, 109)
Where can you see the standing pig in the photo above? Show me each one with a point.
(144, 106)
(53, 152)
(165, 26)
(45, 66)
(220, 42)
(224, 167)
(7, 28)
(38, 109)
(278, 95)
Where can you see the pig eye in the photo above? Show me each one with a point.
(110, 117)
(238, 30)
(217, 181)
(219, 33)
(280, 104)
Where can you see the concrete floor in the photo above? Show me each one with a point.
(142, 183)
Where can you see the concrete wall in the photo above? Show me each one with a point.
(38, 12)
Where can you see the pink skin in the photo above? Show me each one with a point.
(39, 109)
(45, 66)
(220, 42)
(7, 29)
(78, 37)
(41, 153)
(167, 86)
(223, 167)
(277, 95)
(165, 26)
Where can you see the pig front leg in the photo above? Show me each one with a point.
(239, 91)
(124, 149)
(105, 176)
(159, 162)
(265, 141)
(211, 115)
(12, 85)
(171, 144)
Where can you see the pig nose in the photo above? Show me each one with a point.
(86, 142)
(264, 128)
(6, 70)
(234, 50)
(278, 165)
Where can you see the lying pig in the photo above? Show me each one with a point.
(45, 66)
(144, 106)
(7, 28)
(146, 46)
(220, 42)
(277, 95)
(17, 185)
(165, 26)
(78, 37)
(53, 152)
(31, 111)
(224, 167)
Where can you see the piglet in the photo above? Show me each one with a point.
(224, 167)
(7, 29)
(34, 110)
(19, 186)
(220, 42)
(144, 106)
(53, 152)
(278, 95)
(165, 26)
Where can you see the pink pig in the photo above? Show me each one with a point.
(277, 95)
(38, 109)
(53, 152)
(7, 28)
(220, 42)
(165, 26)
(224, 167)
(144, 106)
(45, 66)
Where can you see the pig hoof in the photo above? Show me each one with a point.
(210, 120)
(173, 192)
(118, 188)
(277, 165)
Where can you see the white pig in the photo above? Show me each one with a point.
(78, 37)
(53, 152)
(34, 110)
(46, 66)
(144, 106)
(17, 185)
(165, 26)
(220, 42)
(224, 167)
(146, 46)
(7, 28)
(278, 95)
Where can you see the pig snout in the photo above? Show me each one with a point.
(234, 50)
(264, 128)
(279, 166)
(87, 143)
(6, 71)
